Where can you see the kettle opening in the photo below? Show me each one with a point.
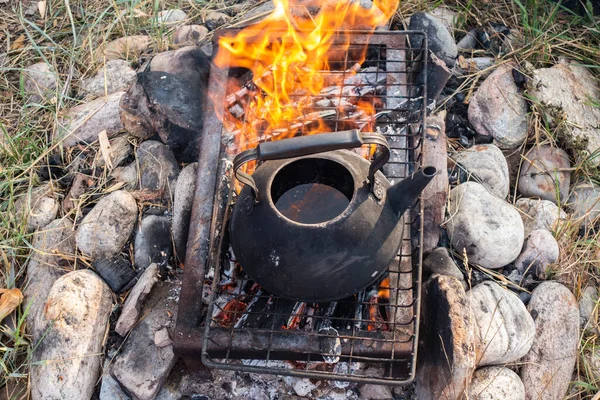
(312, 190)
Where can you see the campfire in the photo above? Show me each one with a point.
(306, 69)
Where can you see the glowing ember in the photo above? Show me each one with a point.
(290, 54)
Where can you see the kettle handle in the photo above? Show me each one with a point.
(311, 144)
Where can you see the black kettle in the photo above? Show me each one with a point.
(318, 223)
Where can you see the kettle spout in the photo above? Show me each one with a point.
(404, 193)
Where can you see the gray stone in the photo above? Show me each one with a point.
(215, 19)
(496, 383)
(135, 299)
(107, 227)
(539, 214)
(120, 149)
(486, 164)
(545, 170)
(588, 308)
(447, 341)
(565, 92)
(38, 206)
(153, 242)
(39, 82)
(505, 328)
(440, 41)
(446, 16)
(585, 202)
(468, 66)
(158, 167)
(142, 368)
(190, 35)
(547, 369)
(111, 390)
(116, 272)
(375, 392)
(488, 228)
(539, 251)
(469, 41)
(499, 110)
(125, 48)
(182, 207)
(171, 17)
(127, 174)
(114, 76)
(83, 123)
(53, 248)
(440, 262)
(76, 316)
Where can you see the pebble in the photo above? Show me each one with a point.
(142, 368)
(499, 110)
(127, 174)
(76, 316)
(440, 262)
(487, 165)
(170, 17)
(588, 311)
(446, 16)
(161, 338)
(545, 170)
(440, 41)
(135, 299)
(490, 229)
(84, 122)
(116, 272)
(496, 383)
(539, 251)
(548, 367)
(153, 242)
(114, 76)
(120, 149)
(125, 48)
(190, 34)
(539, 214)
(38, 207)
(53, 246)
(39, 82)
(215, 19)
(469, 41)
(564, 90)
(585, 202)
(182, 208)
(506, 329)
(158, 167)
(447, 342)
(375, 392)
(107, 227)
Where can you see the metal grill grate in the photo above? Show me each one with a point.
(250, 330)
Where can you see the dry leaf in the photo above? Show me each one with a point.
(105, 148)
(42, 8)
(9, 300)
(19, 43)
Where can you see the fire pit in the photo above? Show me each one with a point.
(228, 321)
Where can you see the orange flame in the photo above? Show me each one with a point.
(289, 54)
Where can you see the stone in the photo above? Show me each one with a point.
(84, 122)
(190, 35)
(38, 206)
(446, 16)
(133, 304)
(545, 170)
(153, 242)
(469, 41)
(182, 208)
(375, 392)
(107, 227)
(53, 249)
(67, 361)
(486, 164)
(111, 390)
(158, 167)
(505, 328)
(539, 251)
(488, 228)
(590, 365)
(161, 338)
(585, 202)
(440, 262)
(539, 214)
(440, 41)
(170, 17)
(547, 369)
(447, 341)
(116, 272)
(215, 19)
(588, 308)
(496, 383)
(565, 91)
(498, 109)
(128, 47)
(303, 387)
(120, 148)
(39, 82)
(127, 174)
(114, 76)
(142, 368)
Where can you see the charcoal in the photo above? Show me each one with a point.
(116, 272)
